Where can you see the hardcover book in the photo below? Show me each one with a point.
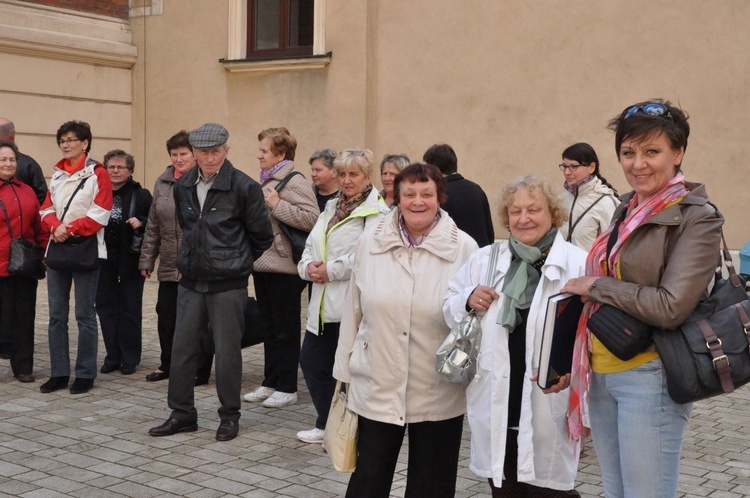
(558, 338)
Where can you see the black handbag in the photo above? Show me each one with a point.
(77, 253)
(137, 241)
(25, 258)
(708, 355)
(623, 335)
(297, 238)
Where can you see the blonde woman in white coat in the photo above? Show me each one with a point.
(519, 433)
(327, 263)
(391, 328)
(589, 199)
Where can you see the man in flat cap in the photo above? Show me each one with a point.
(225, 228)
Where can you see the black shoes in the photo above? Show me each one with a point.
(228, 430)
(81, 386)
(127, 369)
(25, 378)
(157, 376)
(109, 368)
(55, 384)
(173, 426)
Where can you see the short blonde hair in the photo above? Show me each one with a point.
(362, 158)
(537, 187)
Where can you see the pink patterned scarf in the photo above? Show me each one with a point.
(596, 265)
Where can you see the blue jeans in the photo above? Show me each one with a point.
(637, 431)
(58, 288)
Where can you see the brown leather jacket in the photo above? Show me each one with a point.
(667, 262)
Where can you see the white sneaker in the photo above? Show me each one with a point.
(260, 394)
(314, 436)
(279, 399)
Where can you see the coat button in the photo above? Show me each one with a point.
(404, 333)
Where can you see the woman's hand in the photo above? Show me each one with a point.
(561, 385)
(580, 286)
(318, 272)
(134, 222)
(271, 196)
(146, 273)
(60, 234)
(481, 298)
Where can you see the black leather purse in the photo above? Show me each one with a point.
(25, 258)
(623, 335)
(297, 238)
(708, 355)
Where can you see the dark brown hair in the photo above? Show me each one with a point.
(420, 173)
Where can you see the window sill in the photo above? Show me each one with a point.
(272, 64)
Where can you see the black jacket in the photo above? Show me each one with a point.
(118, 235)
(221, 242)
(30, 173)
(468, 206)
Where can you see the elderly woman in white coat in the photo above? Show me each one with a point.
(519, 432)
(391, 328)
(327, 263)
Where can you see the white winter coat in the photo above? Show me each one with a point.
(596, 220)
(392, 324)
(336, 248)
(546, 456)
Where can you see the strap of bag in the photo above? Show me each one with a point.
(7, 220)
(574, 225)
(492, 264)
(286, 179)
(613, 235)
(79, 187)
(131, 212)
(720, 360)
(745, 320)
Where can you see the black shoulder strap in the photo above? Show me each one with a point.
(286, 179)
(574, 225)
(613, 234)
(7, 220)
(79, 187)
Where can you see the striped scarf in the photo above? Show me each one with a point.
(596, 265)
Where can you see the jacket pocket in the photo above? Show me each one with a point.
(225, 261)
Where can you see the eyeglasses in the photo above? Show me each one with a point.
(571, 167)
(650, 109)
(68, 141)
(115, 167)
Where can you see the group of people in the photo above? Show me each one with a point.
(389, 273)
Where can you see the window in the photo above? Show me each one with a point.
(280, 28)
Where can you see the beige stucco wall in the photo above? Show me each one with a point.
(59, 65)
(508, 83)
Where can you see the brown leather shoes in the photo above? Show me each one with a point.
(228, 430)
(25, 378)
(172, 426)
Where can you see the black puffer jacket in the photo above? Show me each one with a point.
(221, 242)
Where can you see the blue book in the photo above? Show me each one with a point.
(558, 338)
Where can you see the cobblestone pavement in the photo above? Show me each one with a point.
(96, 444)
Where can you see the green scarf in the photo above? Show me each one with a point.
(522, 278)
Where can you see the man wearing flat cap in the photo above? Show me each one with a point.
(225, 228)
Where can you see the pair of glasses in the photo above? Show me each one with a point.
(650, 109)
(114, 167)
(571, 167)
(68, 141)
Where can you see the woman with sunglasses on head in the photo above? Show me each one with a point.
(589, 199)
(663, 250)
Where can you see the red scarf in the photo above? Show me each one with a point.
(596, 265)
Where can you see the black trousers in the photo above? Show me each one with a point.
(17, 313)
(119, 304)
(316, 361)
(433, 458)
(166, 312)
(226, 313)
(278, 296)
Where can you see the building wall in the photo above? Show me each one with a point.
(509, 84)
(59, 65)
(112, 8)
